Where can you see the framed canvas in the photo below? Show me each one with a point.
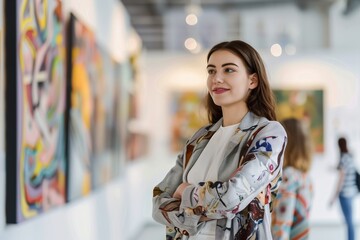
(137, 139)
(307, 105)
(35, 108)
(91, 111)
(118, 121)
(104, 126)
(80, 107)
(188, 114)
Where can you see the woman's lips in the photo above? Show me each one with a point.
(220, 90)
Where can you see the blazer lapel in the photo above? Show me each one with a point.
(195, 148)
(248, 123)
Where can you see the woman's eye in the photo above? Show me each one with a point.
(211, 71)
(229, 70)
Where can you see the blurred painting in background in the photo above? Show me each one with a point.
(307, 105)
(35, 110)
(137, 139)
(81, 104)
(104, 129)
(93, 142)
(188, 114)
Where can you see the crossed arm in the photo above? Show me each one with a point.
(183, 205)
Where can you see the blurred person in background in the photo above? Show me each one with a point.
(293, 202)
(222, 184)
(346, 189)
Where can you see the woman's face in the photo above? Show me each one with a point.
(228, 82)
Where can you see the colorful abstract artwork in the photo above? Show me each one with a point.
(104, 126)
(136, 138)
(188, 114)
(35, 108)
(306, 105)
(81, 107)
(136, 141)
(91, 113)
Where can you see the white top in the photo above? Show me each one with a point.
(206, 169)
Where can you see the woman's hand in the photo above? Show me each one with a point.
(179, 190)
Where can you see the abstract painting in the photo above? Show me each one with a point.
(91, 112)
(188, 114)
(104, 126)
(306, 105)
(81, 46)
(35, 108)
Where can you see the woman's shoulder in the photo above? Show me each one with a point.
(272, 126)
(295, 175)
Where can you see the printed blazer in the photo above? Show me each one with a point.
(240, 200)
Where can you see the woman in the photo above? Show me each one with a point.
(292, 206)
(346, 187)
(222, 183)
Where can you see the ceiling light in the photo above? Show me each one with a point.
(190, 44)
(191, 19)
(276, 50)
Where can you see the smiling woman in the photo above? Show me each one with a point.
(222, 184)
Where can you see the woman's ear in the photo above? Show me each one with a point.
(254, 81)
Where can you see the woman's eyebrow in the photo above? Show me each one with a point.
(225, 64)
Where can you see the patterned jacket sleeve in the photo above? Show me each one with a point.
(165, 207)
(261, 165)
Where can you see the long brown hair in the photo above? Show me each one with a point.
(298, 152)
(261, 99)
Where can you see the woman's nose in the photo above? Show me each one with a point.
(218, 78)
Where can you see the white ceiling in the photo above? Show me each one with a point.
(152, 19)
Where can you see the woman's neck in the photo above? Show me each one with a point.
(234, 114)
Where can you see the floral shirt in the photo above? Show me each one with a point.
(292, 206)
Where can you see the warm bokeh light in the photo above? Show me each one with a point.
(276, 50)
(191, 19)
(190, 44)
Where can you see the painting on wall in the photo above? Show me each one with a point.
(137, 140)
(91, 80)
(136, 137)
(307, 105)
(81, 44)
(102, 132)
(118, 131)
(35, 108)
(188, 114)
